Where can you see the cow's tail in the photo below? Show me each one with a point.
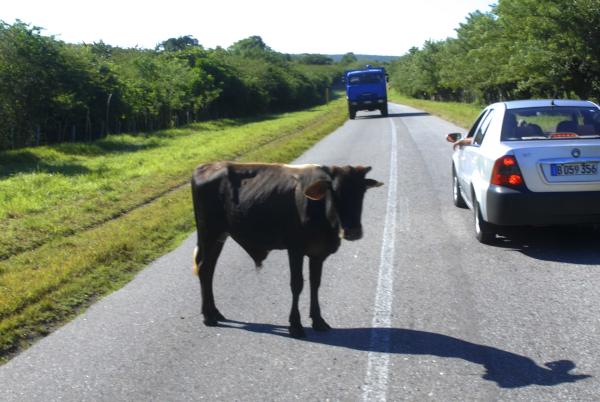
(195, 269)
(196, 203)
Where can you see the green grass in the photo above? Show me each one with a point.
(461, 114)
(53, 192)
(77, 221)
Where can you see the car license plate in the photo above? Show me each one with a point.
(368, 102)
(574, 169)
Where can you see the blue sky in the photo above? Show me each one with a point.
(306, 26)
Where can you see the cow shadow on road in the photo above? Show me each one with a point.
(507, 369)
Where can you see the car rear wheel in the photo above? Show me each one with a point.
(484, 232)
(457, 197)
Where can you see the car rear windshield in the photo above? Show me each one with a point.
(551, 122)
(365, 78)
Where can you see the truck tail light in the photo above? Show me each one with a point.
(506, 173)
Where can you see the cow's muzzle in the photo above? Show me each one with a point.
(353, 233)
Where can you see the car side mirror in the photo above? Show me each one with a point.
(453, 137)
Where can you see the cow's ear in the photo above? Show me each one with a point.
(373, 183)
(363, 169)
(317, 190)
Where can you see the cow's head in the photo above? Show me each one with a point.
(348, 185)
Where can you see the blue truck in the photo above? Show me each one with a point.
(366, 89)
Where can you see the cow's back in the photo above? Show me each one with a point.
(254, 203)
(260, 204)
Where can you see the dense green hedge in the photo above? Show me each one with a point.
(51, 91)
(520, 49)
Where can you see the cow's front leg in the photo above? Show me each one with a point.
(296, 282)
(316, 268)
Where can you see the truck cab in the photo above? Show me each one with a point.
(366, 89)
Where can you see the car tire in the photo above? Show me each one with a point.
(457, 197)
(351, 112)
(484, 231)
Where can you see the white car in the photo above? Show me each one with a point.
(533, 162)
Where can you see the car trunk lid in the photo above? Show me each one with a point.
(560, 165)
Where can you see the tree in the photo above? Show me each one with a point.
(316, 59)
(348, 58)
(555, 44)
(252, 46)
(31, 71)
(520, 49)
(176, 44)
(51, 91)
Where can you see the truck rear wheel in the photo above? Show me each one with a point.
(384, 110)
(351, 112)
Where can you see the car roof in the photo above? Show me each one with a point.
(519, 104)
(369, 71)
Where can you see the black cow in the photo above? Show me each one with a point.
(305, 209)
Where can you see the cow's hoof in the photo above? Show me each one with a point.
(213, 319)
(218, 316)
(319, 324)
(297, 332)
(211, 322)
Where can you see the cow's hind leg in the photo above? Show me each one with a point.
(296, 282)
(316, 268)
(205, 260)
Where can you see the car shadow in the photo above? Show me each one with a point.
(569, 244)
(506, 369)
(414, 114)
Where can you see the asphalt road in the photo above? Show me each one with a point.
(420, 309)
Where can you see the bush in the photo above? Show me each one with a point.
(51, 91)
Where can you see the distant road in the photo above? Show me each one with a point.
(420, 309)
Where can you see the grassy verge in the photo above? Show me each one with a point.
(461, 114)
(57, 191)
(85, 218)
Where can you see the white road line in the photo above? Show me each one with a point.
(376, 381)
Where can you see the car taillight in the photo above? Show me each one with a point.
(506, 173)
(563, 135)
